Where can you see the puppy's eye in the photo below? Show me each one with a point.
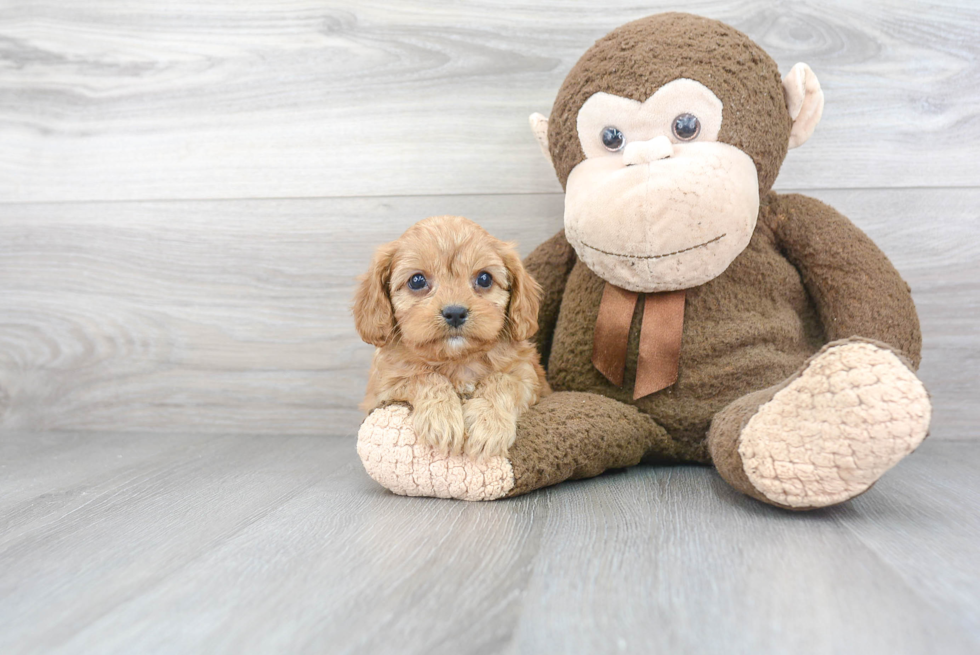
(613, 139)
(484, 280)
(686, 127)
(417, 282)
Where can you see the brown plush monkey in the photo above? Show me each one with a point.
(690, 313)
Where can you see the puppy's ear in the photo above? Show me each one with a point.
(525, 296)
(374, 316)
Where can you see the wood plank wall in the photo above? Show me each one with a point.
(187, 189)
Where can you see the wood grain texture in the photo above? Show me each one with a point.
(107, 100)
(218, 544)
(234, 316)
(224, 316)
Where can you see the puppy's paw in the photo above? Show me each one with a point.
(438, 422)
(489, 431)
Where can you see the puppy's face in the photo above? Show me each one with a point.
(451, 290)
(449, 294)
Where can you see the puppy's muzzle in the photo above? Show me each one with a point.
(455, 315)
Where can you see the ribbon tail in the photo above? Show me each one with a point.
(612, 329)
(660, 342)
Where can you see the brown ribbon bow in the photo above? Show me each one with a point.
(660, 338)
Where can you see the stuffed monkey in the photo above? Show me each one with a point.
(689, 313)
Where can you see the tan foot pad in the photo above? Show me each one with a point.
(853, 413)
(392, 456)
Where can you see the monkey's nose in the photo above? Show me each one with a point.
(455, 315)
(644, 152)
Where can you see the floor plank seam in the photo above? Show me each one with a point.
(475, 194)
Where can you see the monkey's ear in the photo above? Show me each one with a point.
(374, 317)
(539, 125)
(804, 100)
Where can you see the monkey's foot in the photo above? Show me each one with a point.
(394, 457)
(855, 410)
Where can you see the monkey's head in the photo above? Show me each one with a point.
(665, 135)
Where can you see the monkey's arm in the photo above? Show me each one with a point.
(550, 264)
(857, 291)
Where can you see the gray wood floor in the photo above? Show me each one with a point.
(139, 543)
(187, 191)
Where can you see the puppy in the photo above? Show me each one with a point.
(450, 309)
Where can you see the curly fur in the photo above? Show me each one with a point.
(467, 385)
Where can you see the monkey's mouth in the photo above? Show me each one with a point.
(661, 256)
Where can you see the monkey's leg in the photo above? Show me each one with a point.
(566, 435)
(828, 433)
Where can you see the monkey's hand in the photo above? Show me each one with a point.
(398, 460)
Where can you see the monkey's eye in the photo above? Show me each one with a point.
(484, 280)
(417, 282)
(686, 127)
(613, 139)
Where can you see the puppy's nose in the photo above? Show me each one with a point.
(455, 315)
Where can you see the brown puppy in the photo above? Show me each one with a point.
(450, 309)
